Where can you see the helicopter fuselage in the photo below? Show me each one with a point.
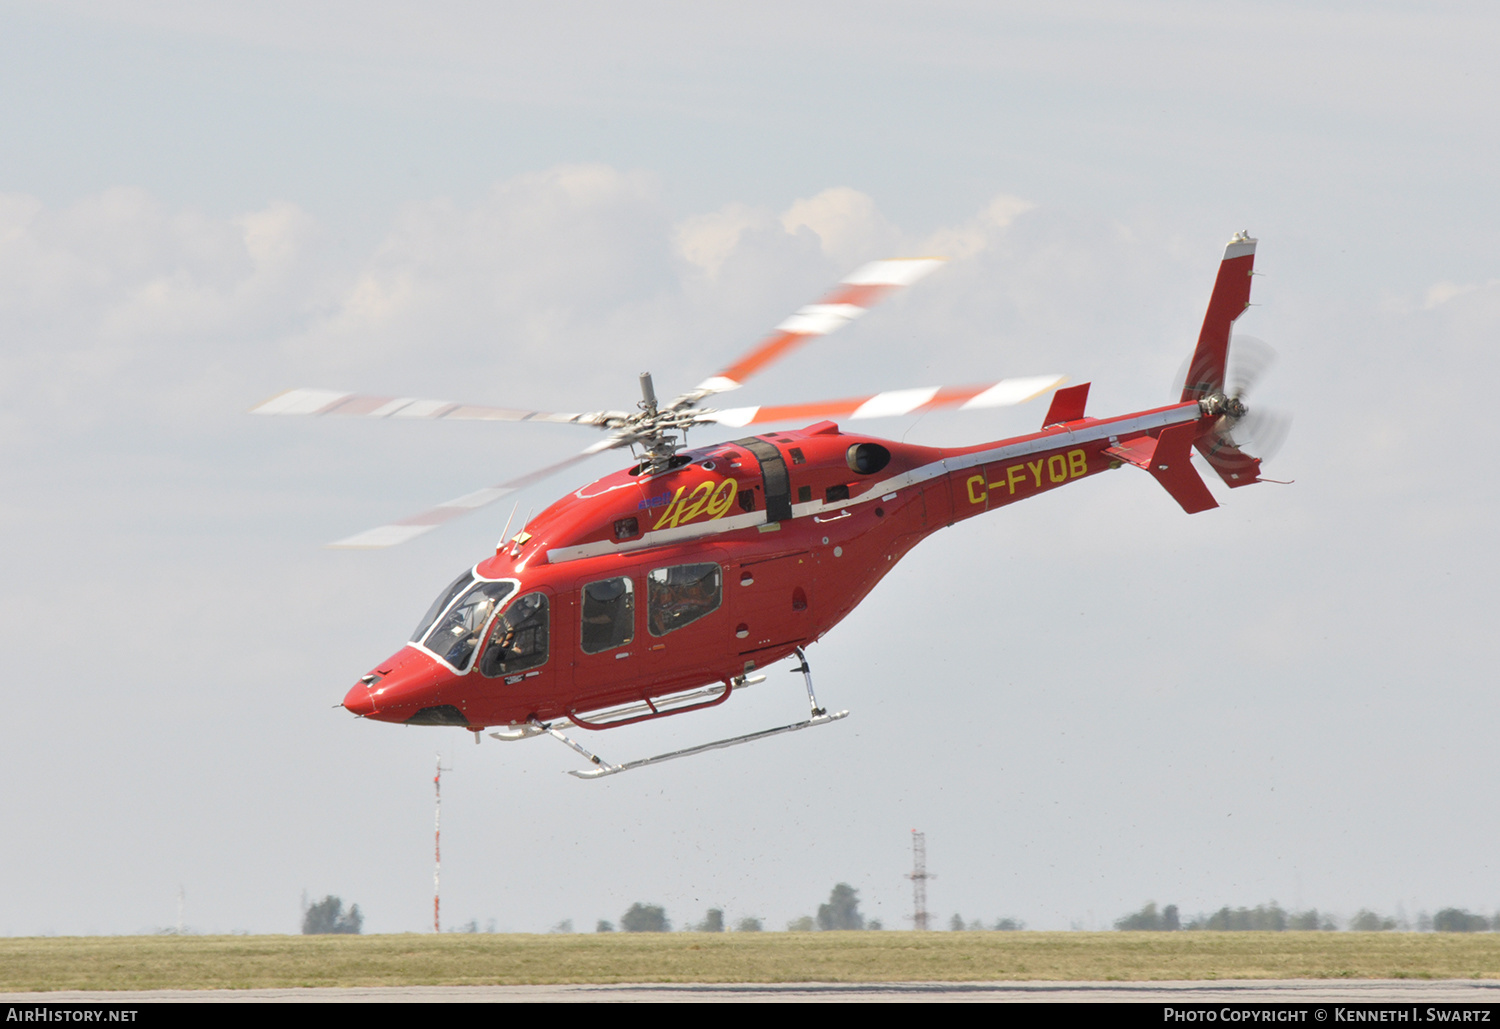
(654, 581)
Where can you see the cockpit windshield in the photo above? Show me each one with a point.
(457, 632)
(441, 604)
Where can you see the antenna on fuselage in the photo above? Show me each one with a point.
(505, 532)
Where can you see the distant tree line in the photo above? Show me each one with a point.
(652, 918)
(1273, 918)
(1148, 919)
(328, 916)
(1004, 925)
(1453, 920)
(840, 913)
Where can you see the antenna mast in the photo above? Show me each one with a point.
(919, 879)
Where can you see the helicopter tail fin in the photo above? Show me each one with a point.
(1067, 405)
(1230, 297)
(1165, 456)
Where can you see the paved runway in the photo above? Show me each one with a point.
(1405, 992)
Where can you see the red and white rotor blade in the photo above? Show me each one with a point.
(856, 294)
(416, 525)
(894, 402)
(327, 401)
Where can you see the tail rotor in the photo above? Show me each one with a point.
(1240, 429)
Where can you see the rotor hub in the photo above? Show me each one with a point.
(1221, 405)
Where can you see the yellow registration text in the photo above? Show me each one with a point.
(1054, 469)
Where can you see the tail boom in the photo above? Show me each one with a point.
(1159, 441)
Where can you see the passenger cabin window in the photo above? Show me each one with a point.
(608, 615)
(457, 633)
(681, 595)
(519, 639)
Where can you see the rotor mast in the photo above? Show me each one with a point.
(655, 428)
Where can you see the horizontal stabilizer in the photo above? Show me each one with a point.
(1167, 459)
(1234, 466)
(1137, 452)
(1173, 468)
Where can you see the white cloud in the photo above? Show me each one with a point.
(499, 289)
(974, 236)
(707, 240)
(118, 300)
(846, 223)
(1440, 293)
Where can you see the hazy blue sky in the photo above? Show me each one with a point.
(1086, 702)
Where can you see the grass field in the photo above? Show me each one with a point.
(244, 962)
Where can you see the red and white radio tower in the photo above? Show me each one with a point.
(437, 842)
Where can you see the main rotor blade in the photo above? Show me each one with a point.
(327, 401)
(416, 525)
(893, 402)
(857, 293)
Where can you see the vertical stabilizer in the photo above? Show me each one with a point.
(1230, 298)
(1067, 405)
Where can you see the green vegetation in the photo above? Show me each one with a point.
(1148, 919)
(842, 910)
(645, 918)
(328, 916)
(243, 962)
(1274, 918)
(1455, 920)
(713, 922)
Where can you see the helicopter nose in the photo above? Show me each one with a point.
(358, 700)
(368, 695)
(397, 688)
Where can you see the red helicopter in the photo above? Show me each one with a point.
(666, 586)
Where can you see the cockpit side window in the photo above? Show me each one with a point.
(519, 639)
(457, 633)
(441, 603)
(680, 595)
(608, 615)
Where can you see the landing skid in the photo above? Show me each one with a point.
(817, 716)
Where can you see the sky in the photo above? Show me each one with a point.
(1086, 702)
